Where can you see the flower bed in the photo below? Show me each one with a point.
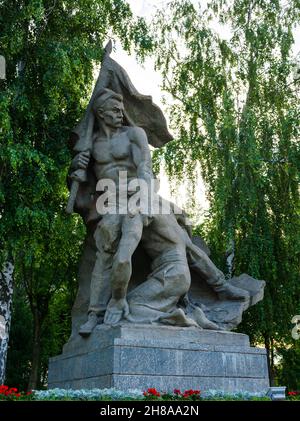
(12, 394)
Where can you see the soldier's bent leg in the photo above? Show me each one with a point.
(201, 263)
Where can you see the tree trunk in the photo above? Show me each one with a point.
(272, 364)
(36, 352)
(230, 252)
(269, 360)
(6, 291)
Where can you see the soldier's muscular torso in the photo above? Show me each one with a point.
(114, 155)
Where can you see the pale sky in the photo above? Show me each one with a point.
(148, 82)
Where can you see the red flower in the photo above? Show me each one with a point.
(11, 392)
(190, 392)
(292, 393)
(153, 391)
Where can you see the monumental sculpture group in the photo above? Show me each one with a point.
(147, 288)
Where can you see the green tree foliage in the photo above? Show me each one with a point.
(51, 48)
(55, 332)
(289, 368)
(236, 111)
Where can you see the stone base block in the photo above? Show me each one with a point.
(167, 358)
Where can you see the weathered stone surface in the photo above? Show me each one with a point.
(129, 356)
(226, 313)
(154, 335)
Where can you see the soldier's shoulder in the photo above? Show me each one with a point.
(135, 131)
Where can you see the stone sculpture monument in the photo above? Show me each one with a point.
(152, 309)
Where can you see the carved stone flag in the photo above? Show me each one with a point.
(140, 110)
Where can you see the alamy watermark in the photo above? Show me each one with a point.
(132, 196)
(2, 67)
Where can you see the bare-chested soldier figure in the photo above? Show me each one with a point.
(119, 148)
(116, 148)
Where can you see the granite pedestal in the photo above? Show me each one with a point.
(143, 356)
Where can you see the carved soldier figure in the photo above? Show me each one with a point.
(118, 148)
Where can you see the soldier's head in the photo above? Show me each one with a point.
(109, 108)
